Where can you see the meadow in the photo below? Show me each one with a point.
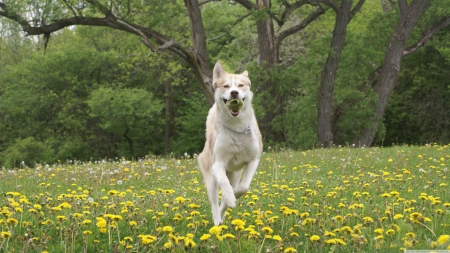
(325, 200)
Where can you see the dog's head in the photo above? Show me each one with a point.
(230, 87)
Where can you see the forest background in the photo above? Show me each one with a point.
(94, 79)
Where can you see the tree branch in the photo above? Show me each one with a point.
(207, 1)
(403, 5)
(300, 26)
(332, 4)
(70, 8)
(248, 5)
(144, 37)
(232, 26)
(289, 9)
(13, 16)
(439, 25)
(357, 8)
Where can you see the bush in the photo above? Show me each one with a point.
(26, 152)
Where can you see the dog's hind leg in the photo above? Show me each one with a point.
(212, 189)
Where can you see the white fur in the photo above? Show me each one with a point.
(233, 143)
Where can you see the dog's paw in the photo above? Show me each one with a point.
(229, 200)
(217, 219)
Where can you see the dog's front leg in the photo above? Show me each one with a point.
(228, 198)
(246, 180)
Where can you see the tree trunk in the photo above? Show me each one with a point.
(198, 56)
(325, 100)
(268, 58)
(409, 16)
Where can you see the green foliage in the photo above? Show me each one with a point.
(62, 97)
(418, 110)
(26, 152)
(125, 112)
(121, 110)
(190, 137)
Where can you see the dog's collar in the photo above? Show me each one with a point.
(247, 131)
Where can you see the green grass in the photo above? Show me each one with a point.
(327, 200)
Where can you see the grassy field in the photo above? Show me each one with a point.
(325, 200)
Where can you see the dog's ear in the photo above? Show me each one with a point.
(218, 70)
(245, 73)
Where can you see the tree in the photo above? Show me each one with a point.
(269, 50)
(47, 18)
(383, 80)
(344, 14)
(418, 110)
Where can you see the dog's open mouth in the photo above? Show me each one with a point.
(234, 106)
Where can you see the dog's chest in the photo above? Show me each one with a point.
(236, 149)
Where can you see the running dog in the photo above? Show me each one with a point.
(233, 142)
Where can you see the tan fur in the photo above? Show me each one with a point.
(233, 143)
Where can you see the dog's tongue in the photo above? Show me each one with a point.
(234, 114)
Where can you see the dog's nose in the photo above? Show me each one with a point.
(234, 93)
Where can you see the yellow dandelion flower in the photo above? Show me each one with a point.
(390, 232)
(100, 222)
(338, 218)
(5, 234)
(378, 231)
(87, 232)
(61, 217)
(268, 230)
(398, 216)
(189, 243)
(12, 221)
(215, 230)
(290, 250)
(168, 229)
(168, 244)
(331, 241)
(85, 222)
(228, 236)
(277, 238)
(410, 235)
(443, 239)
(147, 239)
(367, 219)
(314, 238)
(205, 237)
(330, 234)
(340, 241)
(65, 205)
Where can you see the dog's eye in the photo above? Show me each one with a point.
(241, 85)
(226, 86)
